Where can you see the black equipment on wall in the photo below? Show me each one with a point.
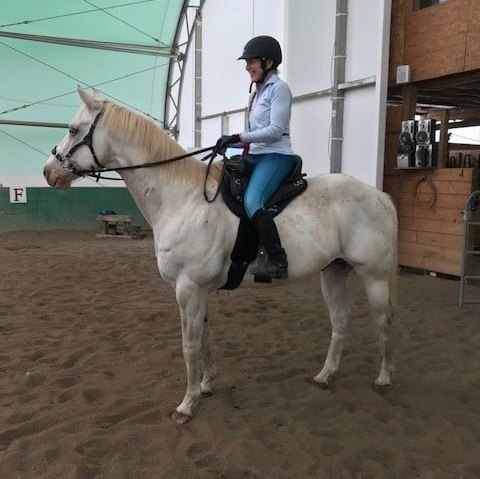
(406, 149)
(425, 150)
(417, 147)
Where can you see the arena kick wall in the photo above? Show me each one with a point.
(75, 208)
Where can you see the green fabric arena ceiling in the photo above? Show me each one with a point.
(125, 48)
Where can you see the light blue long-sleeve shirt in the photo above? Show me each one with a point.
(269, 120)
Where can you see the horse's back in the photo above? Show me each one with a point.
(342, 187)
(343, 193)
(339, 217)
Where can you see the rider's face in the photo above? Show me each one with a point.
(254, 68)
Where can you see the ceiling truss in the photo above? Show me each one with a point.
(176, 72)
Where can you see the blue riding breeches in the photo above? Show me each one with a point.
(269, 170)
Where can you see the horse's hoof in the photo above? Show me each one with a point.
(180, 418)
(206, 394)
(382, 388)
(319, 384)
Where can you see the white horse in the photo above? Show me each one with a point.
(337, 217)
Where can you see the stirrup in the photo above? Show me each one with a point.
(277, 271)
(268, 268)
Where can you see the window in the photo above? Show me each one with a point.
(419, 4)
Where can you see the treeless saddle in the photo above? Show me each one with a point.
(236, 175)
(235, 180)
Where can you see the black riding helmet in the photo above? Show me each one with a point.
(264, 48)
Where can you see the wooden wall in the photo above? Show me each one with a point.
(435, 41)
(429, 204)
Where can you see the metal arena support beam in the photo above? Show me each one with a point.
(338, 96)
(75, 42)
(34, 123)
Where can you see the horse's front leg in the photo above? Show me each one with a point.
(209, 366)
(192, 301)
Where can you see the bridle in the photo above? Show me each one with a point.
(88, 141)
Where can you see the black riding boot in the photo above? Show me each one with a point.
(277, 264)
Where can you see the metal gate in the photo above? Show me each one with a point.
(470, 254)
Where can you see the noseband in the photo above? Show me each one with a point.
(87, 141)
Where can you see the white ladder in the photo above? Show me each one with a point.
(472, 203)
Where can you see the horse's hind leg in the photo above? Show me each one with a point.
(378, 293)
(334, 293)
(209, 366)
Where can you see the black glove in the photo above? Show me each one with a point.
(226, 140)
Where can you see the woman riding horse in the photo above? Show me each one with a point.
(267, 142)
(337, 226)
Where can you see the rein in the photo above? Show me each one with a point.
(93, 173)
(97, 173)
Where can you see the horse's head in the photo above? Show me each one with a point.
(82, 148)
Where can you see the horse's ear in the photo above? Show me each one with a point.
(91, 102)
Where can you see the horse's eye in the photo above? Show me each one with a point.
(72, 131)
